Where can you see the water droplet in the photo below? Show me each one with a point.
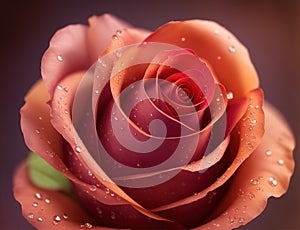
(47, 201)
(40, 219)
(254, 181)
(40, 118)
(241, 220)
(183, 39)
(78, 149)
(119, 32)
(59, 87)
(251, 195)
(268, 153)
(257, 107)
(30, 215)
(65, 216)
(107, 191)
(93, 188)
(280, 162)
(38, 131)
(118, 53)
(253, 122)
(59, 58)
(38, 196)
(115, 36)
(273, 181)
(57, 218)
(229, 95)
(219, 58)
(232, 49)
(86, 225)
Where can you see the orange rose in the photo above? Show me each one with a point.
(163, 129)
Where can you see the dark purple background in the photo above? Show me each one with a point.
(271, 31)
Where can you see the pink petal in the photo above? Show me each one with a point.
(100, 32)
(77, 47)
(261, 176)
(68, 52)
(46, 209)
(226, 56)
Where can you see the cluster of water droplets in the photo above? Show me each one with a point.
(37, 212)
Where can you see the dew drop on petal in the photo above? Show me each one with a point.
(273, 182)
(93, 188)
(229, 95)
(241, 220)
(118, 54)
(47, 201)
(57, 218)
(183, 39)
(219, 58)
(59, 58)
(254, 181)
(268, 153)
(119, 32)
(30, 215)
(280, 162)
(115, 37)
(78, 149)
(40, 219)
(65, 216)
(86, 225)
(232, 49)
(38, 131)
(38, 196)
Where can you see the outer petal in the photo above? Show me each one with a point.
(67, 52)
(100, 32)
(228, 58)
(265, 173)
(46, 209)
(76, 47)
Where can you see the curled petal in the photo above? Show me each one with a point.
(62, 59)
(227, 57)
(101, 31)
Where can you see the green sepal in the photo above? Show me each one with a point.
(45, 176)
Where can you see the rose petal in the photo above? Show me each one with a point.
(46, 209)
(62, 59)
(261, 176)
(243, 142)
(227, 57)
(61, 109)
(100, 32)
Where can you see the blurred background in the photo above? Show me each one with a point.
(270, 30)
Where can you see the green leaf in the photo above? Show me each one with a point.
(45, 176)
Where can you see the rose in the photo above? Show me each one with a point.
(199, 149)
